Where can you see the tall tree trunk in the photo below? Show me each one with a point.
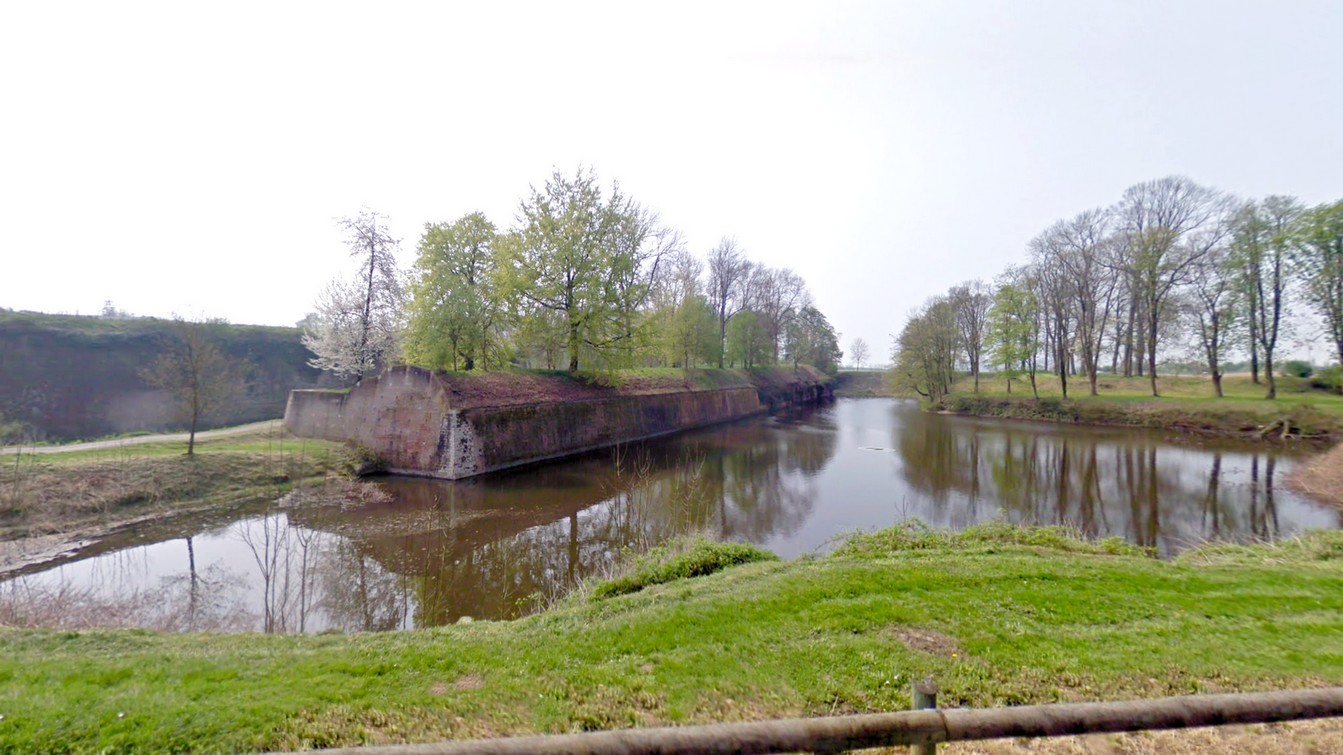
(1269, 375)
(573, 345)
(1254, 350)
(1151, 347)
(1128, 335)
(722, 335)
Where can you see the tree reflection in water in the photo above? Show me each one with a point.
(1133, 484)
(502, 546)
(431, 552)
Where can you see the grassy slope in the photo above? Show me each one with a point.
(72, 377)
(862, 384)
(996, 615)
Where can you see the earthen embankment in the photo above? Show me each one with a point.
(452, 426)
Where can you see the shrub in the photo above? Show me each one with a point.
(1328, 379)
(681, 560)
(1297, 368)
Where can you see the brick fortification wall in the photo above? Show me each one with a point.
(426, 424)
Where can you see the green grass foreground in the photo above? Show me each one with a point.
(997, 615)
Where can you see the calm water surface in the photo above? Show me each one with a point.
(422, 552)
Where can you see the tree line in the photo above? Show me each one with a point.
(585, 278)
(1172, 264)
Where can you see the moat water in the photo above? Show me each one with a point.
(419, 552)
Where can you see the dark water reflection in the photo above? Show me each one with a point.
(432, 552)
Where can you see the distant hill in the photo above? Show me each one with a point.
(76, 377)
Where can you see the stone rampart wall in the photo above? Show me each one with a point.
(407, 418)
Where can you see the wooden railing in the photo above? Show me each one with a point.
(923, 729)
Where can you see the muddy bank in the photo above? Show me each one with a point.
(1321, 477)
(1302, 424)
(26, 551)
(54, 505)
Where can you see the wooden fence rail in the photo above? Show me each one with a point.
(842, 733)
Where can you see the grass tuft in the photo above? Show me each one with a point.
(680, 559)
(914, 535)
(1316, 547)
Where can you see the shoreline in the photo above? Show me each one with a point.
(61, 503)
(1301, 426)
(1320, 477)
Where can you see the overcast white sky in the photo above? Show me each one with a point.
(191, 157)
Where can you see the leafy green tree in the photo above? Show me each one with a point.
(1014, 326)
(745, 340)
(640, 244)
(588, 258)
(925, 351)
(1264, 233)
(812, 340)
(683, 323)
(198, 375)
(454, 306)
(1319, 239)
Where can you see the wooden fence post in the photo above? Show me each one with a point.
(925, 698)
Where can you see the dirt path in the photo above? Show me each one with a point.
(270, 424)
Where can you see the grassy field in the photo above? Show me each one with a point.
(61, 492)
(1186, 404)
(1191, 390)
(996, 615)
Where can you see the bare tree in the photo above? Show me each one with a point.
(1212, 304)
(775, 296)
(971, 302)
(1081, 252)
(729, 271)
(196, 373)
(1053, 292)
(1160, 221)
(370, 242)
(858, 351)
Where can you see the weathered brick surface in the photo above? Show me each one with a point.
(408, 418)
